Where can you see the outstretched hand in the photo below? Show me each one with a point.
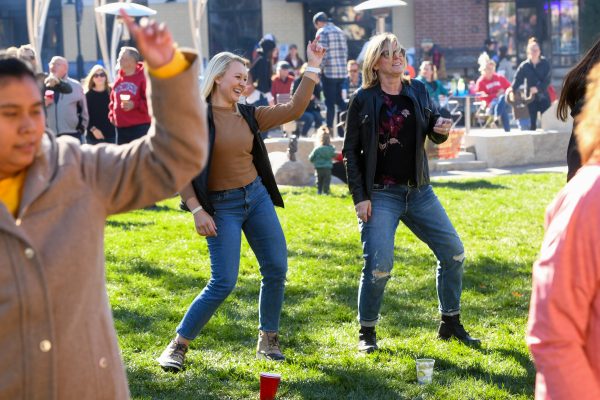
(154, 41)
(315, 53)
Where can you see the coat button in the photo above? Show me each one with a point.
(45, 346)
(29, 253)
(103, 362)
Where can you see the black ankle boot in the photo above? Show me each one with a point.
(450, 326)
(367, 339)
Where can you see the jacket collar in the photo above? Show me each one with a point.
(41, 172)
(37, 181)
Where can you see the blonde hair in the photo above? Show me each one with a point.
(88, 83)
(377, 44)
(323, 137)
(216, 68)
(483, 61)
(587, 130)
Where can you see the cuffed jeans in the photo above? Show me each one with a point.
(251, 210)
(420, 210)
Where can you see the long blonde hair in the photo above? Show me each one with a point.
(89, 79)
(587, 130)
(216, 68)
(377, 44)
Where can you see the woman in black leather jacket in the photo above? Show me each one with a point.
(388, 175)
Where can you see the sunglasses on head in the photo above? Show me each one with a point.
(100, 74)
(396, 53)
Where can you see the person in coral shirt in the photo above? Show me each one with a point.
(564, 317)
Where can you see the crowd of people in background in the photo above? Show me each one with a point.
(78, 110)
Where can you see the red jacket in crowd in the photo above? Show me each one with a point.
(134, 86)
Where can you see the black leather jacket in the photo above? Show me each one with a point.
(360, 143)
(260, 158)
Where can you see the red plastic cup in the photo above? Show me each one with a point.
(268, 385)
(49, 94)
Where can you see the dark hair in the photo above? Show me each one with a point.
(575, 81)
(11, 67)
(267, 46)
(503, 52)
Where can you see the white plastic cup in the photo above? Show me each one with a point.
(425, 370)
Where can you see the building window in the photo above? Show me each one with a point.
(502, 23)
(565, 31)
(234, 26)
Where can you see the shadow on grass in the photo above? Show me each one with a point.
(346, 383)
(514, 385)
(153, 383)
(168, 278)
(129, 225)
(157, 208)
(467, 185)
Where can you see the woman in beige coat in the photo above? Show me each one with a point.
(57, 335)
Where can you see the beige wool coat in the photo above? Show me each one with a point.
(57, 338)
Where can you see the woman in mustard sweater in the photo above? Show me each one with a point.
(237, 192)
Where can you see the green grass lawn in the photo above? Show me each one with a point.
(157, 264)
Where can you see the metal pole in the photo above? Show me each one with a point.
(78, 12)
(381, 23)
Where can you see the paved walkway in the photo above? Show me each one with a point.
(560, 168)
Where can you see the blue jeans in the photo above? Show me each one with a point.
(420, 210)
(310, 118)
(251, 210)
(332, 91)
(498, 108)
(524, 124)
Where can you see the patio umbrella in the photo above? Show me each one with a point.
(119, 28)
(133, 9)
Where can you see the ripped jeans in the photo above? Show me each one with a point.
(420, 210)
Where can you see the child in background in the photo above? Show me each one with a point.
(519, 104)
(321, 157)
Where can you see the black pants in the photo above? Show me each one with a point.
(109, 137)
(539, 104)
(130, 133)
(323, 180)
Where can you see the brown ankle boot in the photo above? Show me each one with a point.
(268, 346)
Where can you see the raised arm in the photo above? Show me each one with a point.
(175, 150)
(271, 116)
